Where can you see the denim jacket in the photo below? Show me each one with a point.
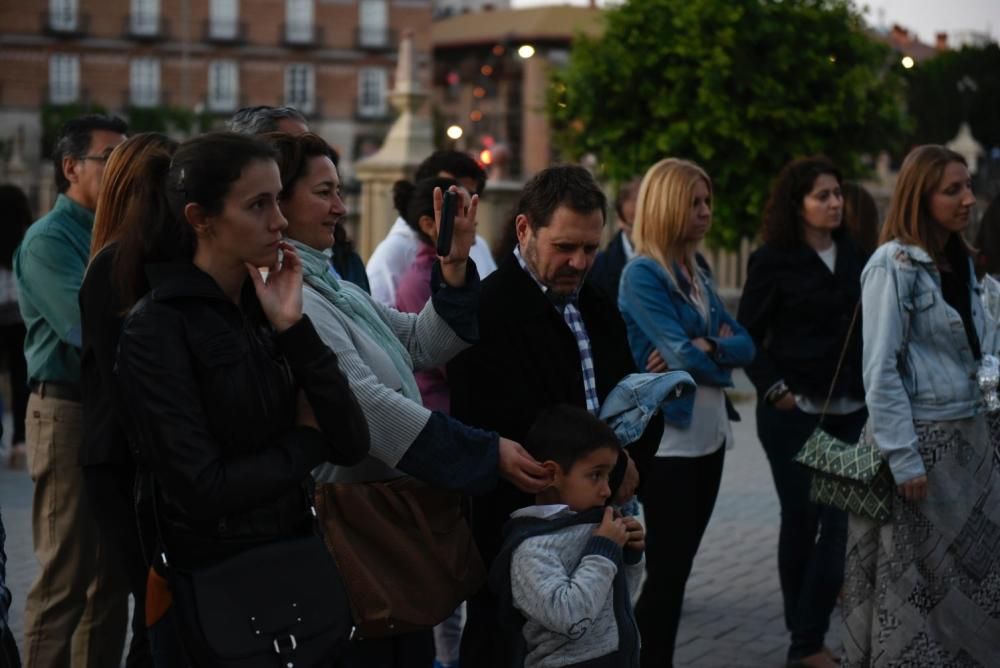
(637, 398)
(917, 363)
(658, 314)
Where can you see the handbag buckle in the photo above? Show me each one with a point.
(281, 651)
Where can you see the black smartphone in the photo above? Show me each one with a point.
(446, 229)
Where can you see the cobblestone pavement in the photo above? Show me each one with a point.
(732, 611)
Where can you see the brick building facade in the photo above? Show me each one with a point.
(333, 59)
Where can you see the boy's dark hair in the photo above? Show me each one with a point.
(563, 185)
(74, 140)
(565, 434)
(460, 165)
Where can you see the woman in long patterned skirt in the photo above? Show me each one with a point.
(923, 589)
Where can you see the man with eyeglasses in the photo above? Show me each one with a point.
(77, 608)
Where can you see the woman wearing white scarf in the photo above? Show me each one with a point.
(378, 348)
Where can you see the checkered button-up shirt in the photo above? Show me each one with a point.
(574, 320)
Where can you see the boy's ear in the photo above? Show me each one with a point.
(554, 470)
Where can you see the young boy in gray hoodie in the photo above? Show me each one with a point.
(570, 568)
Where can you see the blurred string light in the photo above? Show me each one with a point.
(454, 132)
(486, 156)
(908, 62)
(526, 51)
(476, 116)
(486, 70)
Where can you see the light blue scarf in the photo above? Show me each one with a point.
(357, 306)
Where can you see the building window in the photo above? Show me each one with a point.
(145, 17)
(372, 88)
(64, 78)
(299, 21)
(373, 23)
(62, 14)
(300, 87)
(223, 18)
(144, 88)
(223, 85)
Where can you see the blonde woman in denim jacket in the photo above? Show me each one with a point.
(923, 589)
(670, 307)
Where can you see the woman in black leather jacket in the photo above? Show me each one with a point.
(227, 394)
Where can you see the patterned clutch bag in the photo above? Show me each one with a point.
(852, 477)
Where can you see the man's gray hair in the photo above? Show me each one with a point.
(257, 120)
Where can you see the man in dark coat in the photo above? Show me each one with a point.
(546, 338)
(610, 262)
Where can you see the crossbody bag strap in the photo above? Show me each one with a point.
(840, 362)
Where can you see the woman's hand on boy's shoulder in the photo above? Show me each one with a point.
(521, 469)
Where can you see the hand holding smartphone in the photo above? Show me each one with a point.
(446, 228)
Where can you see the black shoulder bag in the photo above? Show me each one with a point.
(277, 605)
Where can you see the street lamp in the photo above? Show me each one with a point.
(908, 62)
(454, 132)
(526, 51)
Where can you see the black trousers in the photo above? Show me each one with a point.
(110, 487)
(678, 496)
(812, 543)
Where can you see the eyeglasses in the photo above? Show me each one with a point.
(96, 158)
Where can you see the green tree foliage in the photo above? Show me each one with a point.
(739, 86)
(952, 87)
(167, 119)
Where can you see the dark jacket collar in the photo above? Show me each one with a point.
(170, 280)
(521, 299)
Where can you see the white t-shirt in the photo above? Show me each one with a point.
(829, 257)
(394, 255)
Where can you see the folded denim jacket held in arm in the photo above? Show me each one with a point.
(917, 362)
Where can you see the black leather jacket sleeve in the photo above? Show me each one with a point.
(756, 312)
(165, 419)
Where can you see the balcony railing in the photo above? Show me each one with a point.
(145, 99)
(65, 24)
(145, 27)
(65, 96)
(224, 105)
(374, 38)
(373, 114)
(312, 108)
(225, 31)
(301, 34)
